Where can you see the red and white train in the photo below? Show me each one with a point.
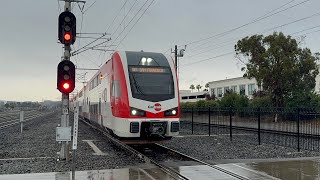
(133, 95)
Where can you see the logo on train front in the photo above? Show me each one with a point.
(157, 107)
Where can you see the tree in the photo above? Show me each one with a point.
(207, 86)
(198, 87)
(278, 65)
(192, 87)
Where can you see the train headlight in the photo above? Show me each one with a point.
(134, 112)
(171, 112)
(137, 112)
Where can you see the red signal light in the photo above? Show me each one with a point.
(66, 86)
(66, 77)
(67, 36)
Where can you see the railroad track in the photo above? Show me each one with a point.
(8, 120)
(155, 147)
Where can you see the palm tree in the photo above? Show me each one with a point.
(192, 87)
(199, 87)
(207, 86)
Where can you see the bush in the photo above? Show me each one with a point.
(303, 100)
(187, 105)
(199, 104)
(263, 102)
(234, 101)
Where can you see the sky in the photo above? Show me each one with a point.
(30, 52)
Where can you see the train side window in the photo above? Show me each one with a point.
(112, 90)
(115, 88)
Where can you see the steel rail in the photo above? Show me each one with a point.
(202, 162)
(146, 159)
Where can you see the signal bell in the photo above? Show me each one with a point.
(66, 77)
(67, 28)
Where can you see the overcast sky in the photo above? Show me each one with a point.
(29, 52)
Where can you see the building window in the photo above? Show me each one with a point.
(234, 89)
(192, 97)
(251, 89)
(200, 96)
(219, 92)
(213, 91)
(225, 90)
(184, 97)
(242, 89)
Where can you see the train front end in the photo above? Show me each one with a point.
(153, 96)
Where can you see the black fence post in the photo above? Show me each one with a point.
(209, 125)
(298, 129)
(192, 120)
(259, 125)
(230, 118)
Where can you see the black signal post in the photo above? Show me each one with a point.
(67, 28)
(66, 77)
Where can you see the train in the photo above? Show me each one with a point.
(133, 95)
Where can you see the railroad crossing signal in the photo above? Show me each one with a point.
(66, 77)
(67, 28)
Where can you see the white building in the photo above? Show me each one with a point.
(317, 88)
(188, 96)
(240, 85)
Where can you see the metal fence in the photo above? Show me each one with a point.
(297, 128)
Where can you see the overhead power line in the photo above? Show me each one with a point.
(104, 34)
(125, 17)
(131, 20)
(117, 15)
(207, 59)
(267, 30)
(292, 22)
(120, 24)
(265, 16)
(75, 53)
(135, 23)
(305, 30)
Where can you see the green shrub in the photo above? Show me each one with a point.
(263, 102)
(303, 100)
(199, 104)
(234, 101)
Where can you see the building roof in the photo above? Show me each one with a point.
(236, 78)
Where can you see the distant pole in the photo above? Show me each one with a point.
(21, 121)
(176, 57)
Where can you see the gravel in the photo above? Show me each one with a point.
(217, 148)
(38, 145)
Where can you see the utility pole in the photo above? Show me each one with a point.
(176, 57)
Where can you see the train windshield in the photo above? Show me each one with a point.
(151, 83)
